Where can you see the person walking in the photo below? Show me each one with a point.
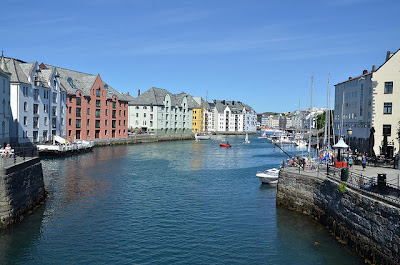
(364, 162)
(351, 162)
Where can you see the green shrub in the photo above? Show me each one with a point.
(342, 187)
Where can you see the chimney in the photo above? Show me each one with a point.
(349, 77)
(373, 68)
(387, 55)
(127, 93)
(138, 92)
(365, 72)
(233, 102)
(223, 102)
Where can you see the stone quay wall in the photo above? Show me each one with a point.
(21, 190)
(369, 226)
(142, 138)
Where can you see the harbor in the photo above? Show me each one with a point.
(168, 202)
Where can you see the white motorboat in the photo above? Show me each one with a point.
(300, 142)
(283, 139)
(269, 176)
(202, 136)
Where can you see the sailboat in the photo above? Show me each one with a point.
(246, 139)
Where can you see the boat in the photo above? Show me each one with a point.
(263, 134)
(269, 176)
(246, 139)
(61, 146)
(225, 145)
(282, 139)
(202, 136)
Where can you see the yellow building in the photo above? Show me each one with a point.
(197, 120)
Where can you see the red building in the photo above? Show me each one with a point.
(94, 109)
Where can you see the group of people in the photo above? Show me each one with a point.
(361, 158)
(7, 151)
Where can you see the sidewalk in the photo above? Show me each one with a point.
(392, 175)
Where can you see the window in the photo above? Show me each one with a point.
(54, 97)
(388, 87)
(70, 99)
(387, 129)
(88, 111)
(78, 101)
(98, 92)
(151, 116)
(144, 115)
(35, 109)
(69, 122)
(98, 103)
(54, 111)
(25, 106)
(387, 108)
(78, 112)
(45, 121)
(69, 110)
(114, 105)
(114, 114)
(97, 113)
(97, 124)
(25, 120)
(106, 122)
(78, 123)
(25, 91)
(88, 122)
(120, 113)
(137, 115)
(36, 94)
(113, 123)
(88, 133)
(106, 111)
(54, 123)
(35, 122)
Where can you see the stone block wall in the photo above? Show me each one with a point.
(369, 226)
(21, 190)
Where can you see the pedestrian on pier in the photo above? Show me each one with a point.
(351, 162)
(364, 162)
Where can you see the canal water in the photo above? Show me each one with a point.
(182, 202)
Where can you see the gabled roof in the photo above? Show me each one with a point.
(17, 75)
(388, 57)
(156, 96)
(235, 107)
(73, 80)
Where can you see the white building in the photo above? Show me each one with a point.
(5, 110)
(161, 112)
(38, 102)
(369, 106)
(230, 116)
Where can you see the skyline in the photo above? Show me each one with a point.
(233, 50)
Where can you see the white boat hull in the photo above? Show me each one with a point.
(269, 176)
(203, 137)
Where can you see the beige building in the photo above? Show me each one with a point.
(386, 103)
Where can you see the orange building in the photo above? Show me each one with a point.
(94, 109)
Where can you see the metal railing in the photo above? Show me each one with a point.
(19, 155)
(377, 187)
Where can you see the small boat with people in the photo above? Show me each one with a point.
(225, 144)
(269, 176)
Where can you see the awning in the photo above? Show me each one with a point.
(340, 144)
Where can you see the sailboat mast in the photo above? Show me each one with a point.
(310, 134)
(329, 111)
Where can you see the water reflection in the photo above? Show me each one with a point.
(304, 238)
(16, 240)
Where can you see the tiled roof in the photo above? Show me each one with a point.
(17, 74)
(73, 80)
(156, 96)
(236, 107)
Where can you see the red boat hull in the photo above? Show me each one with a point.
(225, 145)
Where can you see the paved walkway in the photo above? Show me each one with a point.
(392, 175)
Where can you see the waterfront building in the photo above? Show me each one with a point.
(312, 113)
(38, 102)
(197, 122)
(94, 109)
(230, 116)
(160, 112)
(369, 103)
(273, 121)
(5, 110)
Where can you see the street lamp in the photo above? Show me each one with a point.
(349, 133)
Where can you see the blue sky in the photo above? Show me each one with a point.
(259, 52)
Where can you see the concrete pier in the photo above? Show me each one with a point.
(368, 225)
(21, 190)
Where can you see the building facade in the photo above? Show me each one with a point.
(229, 116)
(197, 122)
(38, 103)
(369, 106)
(160, 112)
(94, 110)
(5, 110)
